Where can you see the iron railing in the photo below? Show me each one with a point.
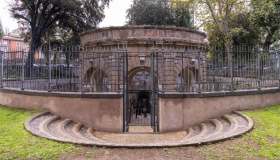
(190, 70)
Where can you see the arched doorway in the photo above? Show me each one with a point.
(139, 79)
(96, 80)
(186, 80)
(139, 95)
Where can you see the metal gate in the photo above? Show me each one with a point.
(155, 92)
(140, 90)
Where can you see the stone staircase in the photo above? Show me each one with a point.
(55, 128)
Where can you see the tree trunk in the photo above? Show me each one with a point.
(30, 59)
(269, 38)
(229, 57)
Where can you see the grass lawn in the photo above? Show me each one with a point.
(262, 143)
(16, 143)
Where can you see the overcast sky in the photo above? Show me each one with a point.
(115, 14)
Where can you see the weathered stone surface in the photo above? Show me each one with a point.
(143, 35)
(104, 113)
(142, 41)
(64, 130)
(189, 111)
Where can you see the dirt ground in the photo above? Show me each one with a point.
(234, 149)
(186, 153)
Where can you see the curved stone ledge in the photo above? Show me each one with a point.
(143, 35)
(161, 94)
(64, 130)
(220, 94)
(104, 112)
(194, 109)
(63, 94)
(145, 27)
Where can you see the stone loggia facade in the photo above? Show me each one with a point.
(140, 42)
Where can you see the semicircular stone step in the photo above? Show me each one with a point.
(88, 133)
(53, 127)
(207, 129)
(192, 132)
(36, 122)
(243, 123)
(65, 130)
(235, 127)
(77, 132)
(223, 127)
(44, 127)
(219, 126)
(66, 127)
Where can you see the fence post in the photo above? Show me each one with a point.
(81, 69)
(199, 72)
(180, 86)
(2, 69)
(278, 69)
(49, 70)
(231, 68)
(22, 71)
(258, 69)
(125, 90)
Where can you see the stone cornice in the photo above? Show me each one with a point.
(143, 27)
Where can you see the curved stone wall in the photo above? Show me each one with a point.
(139, 42)
(105, 112)
(142, 35)
(179, 112)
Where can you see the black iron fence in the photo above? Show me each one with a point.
(189, 70)
(50, 70)
(251, 67)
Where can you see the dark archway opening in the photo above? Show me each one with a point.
(96, 80)
(140, 108)
(139, 95)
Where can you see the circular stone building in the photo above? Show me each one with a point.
(141, 79)
(148, 60)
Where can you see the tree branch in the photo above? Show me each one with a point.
(19, 16)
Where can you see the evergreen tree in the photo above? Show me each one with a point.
(159, 12)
